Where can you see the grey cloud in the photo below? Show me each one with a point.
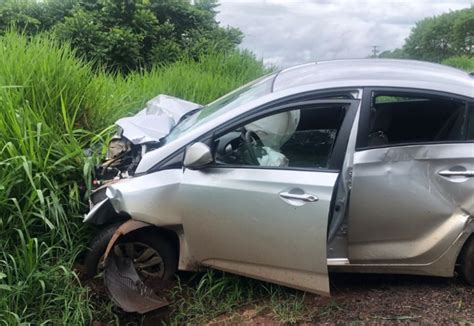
(291, 32)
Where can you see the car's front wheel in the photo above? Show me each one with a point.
(152, 256)
(467, 262)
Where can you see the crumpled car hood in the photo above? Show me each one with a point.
(156, 120)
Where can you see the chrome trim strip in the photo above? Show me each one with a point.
(337, 261)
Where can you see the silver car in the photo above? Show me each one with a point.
(338, 166)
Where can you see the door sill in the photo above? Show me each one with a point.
(338, 261)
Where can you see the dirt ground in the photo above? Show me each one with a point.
(381, 300)
(366, 299)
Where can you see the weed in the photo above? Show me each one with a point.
(289, 308)
(331, 309)
(52, 107)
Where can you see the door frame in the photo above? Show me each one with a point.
(340, 146)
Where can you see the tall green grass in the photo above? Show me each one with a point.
(52, 107)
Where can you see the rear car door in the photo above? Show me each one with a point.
(265, 214)
(413, 177)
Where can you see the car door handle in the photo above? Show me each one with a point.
(304, 197)
(449, 173)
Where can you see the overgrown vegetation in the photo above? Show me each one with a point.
(461, 62)
(214, 294)
(125, 35)
(52, 107)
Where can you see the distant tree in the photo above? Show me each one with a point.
(125, 35)
(463, 32)
(439, 37)
(393, 54)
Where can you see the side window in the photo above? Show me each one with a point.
(300, 138)
(406, 119)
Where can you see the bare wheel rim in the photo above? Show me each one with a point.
(147, 261)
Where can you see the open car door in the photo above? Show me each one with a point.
(268, 219)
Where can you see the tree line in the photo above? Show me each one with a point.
(130, 35)
(125, 35)
(439, 38)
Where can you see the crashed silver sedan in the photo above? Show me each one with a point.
(338, 166)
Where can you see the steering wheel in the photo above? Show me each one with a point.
(251, 141)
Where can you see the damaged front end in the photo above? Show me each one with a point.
(135, 136)
(133, 268)
(140, 134)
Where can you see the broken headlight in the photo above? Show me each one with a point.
(117, 148)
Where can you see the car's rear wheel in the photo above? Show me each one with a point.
(467, 261)
(152, 255)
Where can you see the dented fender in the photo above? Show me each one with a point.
(127, 227)
(101, 213)
(122, 281)
(144, 196)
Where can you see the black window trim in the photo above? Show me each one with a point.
(366, 107)
(470, 120)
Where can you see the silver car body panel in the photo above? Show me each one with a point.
(225, 227)
(92, 214)
(443, 266)
(152, 198)
(378, 72)
(236, 219)
(402, 210)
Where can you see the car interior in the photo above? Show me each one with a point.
(407, 120)
(309, 146)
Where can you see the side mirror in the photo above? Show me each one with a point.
(197, 156)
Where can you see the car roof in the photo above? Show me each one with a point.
(377, 72)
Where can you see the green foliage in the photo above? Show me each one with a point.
(394, 54)
(31, 16)
(212, 294)
(52, 107)
(44, 94)
(461, 62)
(440, 37)
(125, 35)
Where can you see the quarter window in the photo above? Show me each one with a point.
(297, 138)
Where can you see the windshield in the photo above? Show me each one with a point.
(240, 96)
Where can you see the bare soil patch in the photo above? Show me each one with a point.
(356, 299)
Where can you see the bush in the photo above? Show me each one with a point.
(52, 107)
(125, 35)
(461, 62)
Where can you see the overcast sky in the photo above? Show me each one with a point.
(288, 32)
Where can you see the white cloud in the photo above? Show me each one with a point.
(297, 31)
